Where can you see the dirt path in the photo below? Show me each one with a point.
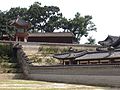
(39, 85)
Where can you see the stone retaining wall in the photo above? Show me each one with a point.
(23, 60)
(32, 48)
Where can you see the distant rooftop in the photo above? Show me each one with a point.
(100, 55)
(113, 41)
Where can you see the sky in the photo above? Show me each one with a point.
(105, 13)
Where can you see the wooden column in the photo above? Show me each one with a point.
(16, 38)
(25, 39)
(63, 62)
(71, 61)
(88, 62)
(99, 61)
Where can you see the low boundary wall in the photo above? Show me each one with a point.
(101, 75)
(110, 81)
(109, 70)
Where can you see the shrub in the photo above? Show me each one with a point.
(51, 61)
(6, 50)
(52, 50)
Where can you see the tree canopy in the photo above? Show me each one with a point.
(44, 18)
(47, 19)
(79, 25)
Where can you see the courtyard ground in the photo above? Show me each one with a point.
(40, 85)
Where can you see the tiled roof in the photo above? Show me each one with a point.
(110, 41)
(70, 55)
(20, 23)
(99, 55)
(114, 38)
(53, 34)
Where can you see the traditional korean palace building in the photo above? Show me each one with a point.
(108, 53)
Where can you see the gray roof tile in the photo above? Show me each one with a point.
(99, 55)
(70, 55)
(110, 41)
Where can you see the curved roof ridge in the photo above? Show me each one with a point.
(110, 41)
(71, 55)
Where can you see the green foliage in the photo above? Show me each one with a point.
(5, 50)
(7, 63)
(10, 70)
(43, 60)
(14, 12)
(6, 17)
(46, 19)
(4, 58)
(36, 59)
(79, 25)
(91, 41)
(51, 61)
(52, 50)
